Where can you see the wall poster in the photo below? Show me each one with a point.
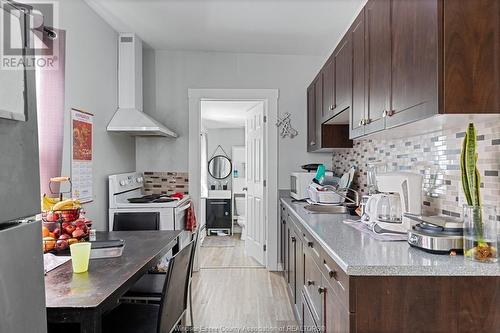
(81, 154)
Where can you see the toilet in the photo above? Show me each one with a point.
(241, 214)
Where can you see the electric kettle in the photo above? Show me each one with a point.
(384, 207)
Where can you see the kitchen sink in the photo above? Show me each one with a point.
(319, 209)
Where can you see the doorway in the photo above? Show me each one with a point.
(243, 187)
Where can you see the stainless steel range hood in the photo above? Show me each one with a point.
(130, 118)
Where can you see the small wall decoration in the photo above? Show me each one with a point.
(285, 126)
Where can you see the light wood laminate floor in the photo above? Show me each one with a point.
(232, 293)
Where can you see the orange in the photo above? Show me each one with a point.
(45, 232)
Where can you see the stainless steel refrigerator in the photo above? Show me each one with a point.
(22, 289)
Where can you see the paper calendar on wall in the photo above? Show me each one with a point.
(81, 154)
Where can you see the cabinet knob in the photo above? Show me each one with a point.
(293, 239)
(331, 273)
(312, 143)
(367, 121)
(390, 113)
(361, 122)
(332, 107)
(384, 114)
(310, 283)
(321, 290)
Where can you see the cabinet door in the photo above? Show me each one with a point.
(336, 315)
(318, 104)
(328, 91)
(299, 275)
(343, 75)
(357, 112)
(414, 61)
(378, 62)
(311, 119)
(283, 237)
(292, 248)
(471, 56)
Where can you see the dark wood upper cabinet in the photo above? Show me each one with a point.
(318, 93)
(357, 111)
(311, 119)
(378, 63)
(323, 137)
(407, 60)
(471, 56)
(343, 75)
(328, 73)
(414, 31)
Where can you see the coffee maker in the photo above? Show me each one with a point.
(399, 193)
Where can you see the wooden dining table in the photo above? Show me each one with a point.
(82, 299)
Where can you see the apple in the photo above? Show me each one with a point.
(69, 229)
(78, 233)
(64, 237)
(57, 232)
(61, 245)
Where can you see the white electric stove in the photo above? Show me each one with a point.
(126, 195)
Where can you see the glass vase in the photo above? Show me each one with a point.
(480, 233)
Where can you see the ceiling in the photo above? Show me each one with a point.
(295, 27)
(225, 114)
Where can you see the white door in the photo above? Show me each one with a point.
(256, 223)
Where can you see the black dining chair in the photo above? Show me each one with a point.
(136, 221)
(149, 287)
(160, 318)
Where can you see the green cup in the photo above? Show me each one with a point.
(80, 256)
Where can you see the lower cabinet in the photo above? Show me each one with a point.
(336, 317)
(308, 323)
(326, 299)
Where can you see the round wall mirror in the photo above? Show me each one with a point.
(220, 167)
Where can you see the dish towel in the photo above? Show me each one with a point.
(191, 218)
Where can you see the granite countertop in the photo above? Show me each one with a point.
(360, 255)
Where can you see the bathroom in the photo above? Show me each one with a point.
(223, 178)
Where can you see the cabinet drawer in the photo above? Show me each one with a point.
(337, 278)
(312, 284)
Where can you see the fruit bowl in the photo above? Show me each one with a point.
(58, 236)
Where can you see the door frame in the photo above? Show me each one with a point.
(270, 99)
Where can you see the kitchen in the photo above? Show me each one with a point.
(396, 96)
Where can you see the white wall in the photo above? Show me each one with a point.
(169, 75)
(91, 85)
(227, 138)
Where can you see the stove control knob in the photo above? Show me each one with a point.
(139, 179)
(122, 183)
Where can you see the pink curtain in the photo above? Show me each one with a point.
(50, 105)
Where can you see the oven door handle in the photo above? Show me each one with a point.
(183, 208)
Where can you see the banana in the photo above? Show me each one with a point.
(48, 203)
(67, 204)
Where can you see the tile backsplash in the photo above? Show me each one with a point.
(168, 182)
(437, 157)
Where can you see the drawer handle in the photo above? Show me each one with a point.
(308, 242)
(331, 273)
(310, 283)
(321, 290)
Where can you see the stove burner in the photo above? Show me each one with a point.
(152, 198)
